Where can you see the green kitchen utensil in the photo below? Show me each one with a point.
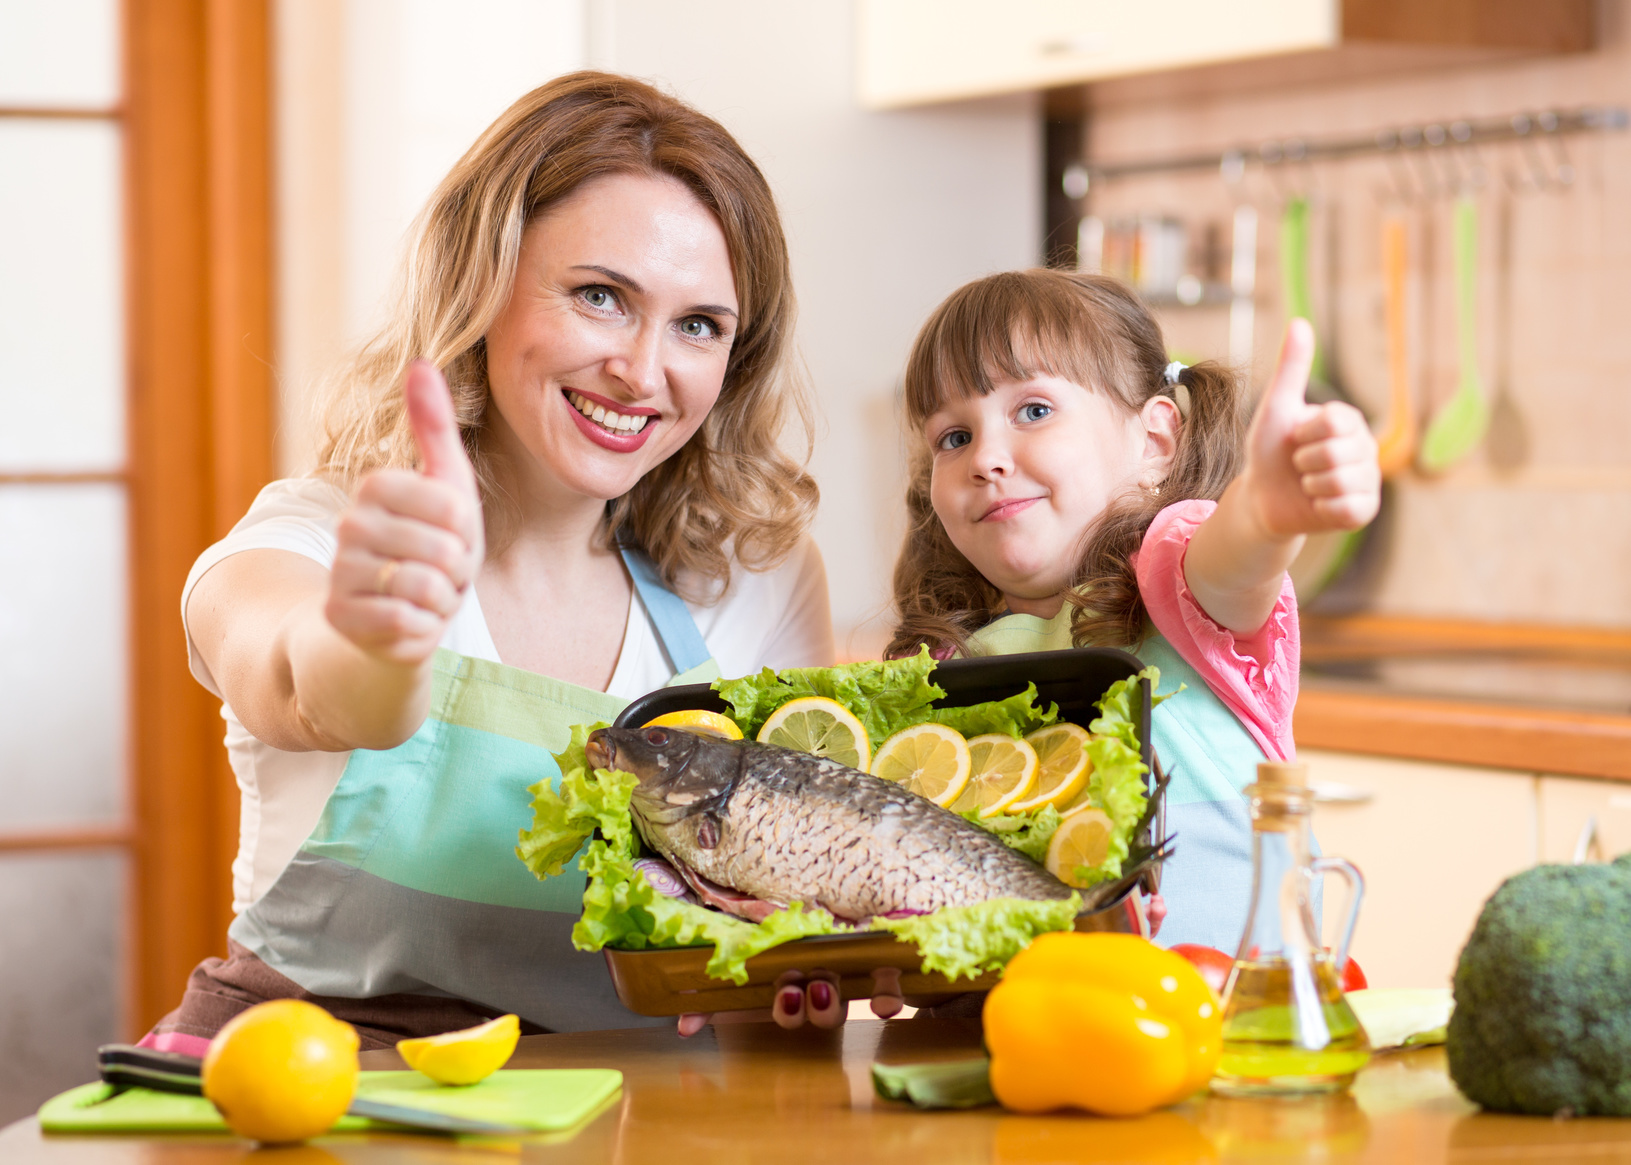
(1294, 280)
(1460, 425)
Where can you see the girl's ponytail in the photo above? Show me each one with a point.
(1109, 610)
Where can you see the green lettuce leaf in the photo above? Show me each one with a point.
(961, 941)
(1029, 833)
(885, 695)
(562, 821)
(1117, 785)
(1014, 716)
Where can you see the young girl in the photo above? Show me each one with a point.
(1076, 487)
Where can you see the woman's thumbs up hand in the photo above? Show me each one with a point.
(412, 541)
(1308, 467)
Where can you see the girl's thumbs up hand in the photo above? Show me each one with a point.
(1309, 467)
(412, 541)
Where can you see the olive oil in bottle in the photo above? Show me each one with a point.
(1286, 1027)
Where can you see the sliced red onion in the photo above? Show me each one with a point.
(664, 879)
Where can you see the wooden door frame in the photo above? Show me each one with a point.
(199, 321)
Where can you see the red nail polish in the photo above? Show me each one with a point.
(821, 995)
(788, 1000)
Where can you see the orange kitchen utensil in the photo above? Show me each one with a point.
(1396, 443)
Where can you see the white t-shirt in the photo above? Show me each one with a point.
(778, 618)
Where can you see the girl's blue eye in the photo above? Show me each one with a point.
(1034, 411)
(955, 439)
(698, 328)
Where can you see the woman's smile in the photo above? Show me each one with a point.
(618, 427)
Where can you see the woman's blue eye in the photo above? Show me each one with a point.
(955, 439)
(698, 328)
(600, 297)
(1034, 411)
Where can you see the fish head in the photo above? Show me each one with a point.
(681, 773)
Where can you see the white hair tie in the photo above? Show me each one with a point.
(1180, 391)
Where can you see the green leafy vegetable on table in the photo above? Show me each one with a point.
(622, 910)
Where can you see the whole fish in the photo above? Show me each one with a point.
(753, 827)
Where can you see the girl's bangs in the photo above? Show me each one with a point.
(1005, 327)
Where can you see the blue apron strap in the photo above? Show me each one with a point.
(676, 629)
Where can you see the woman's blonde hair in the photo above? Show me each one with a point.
(730, 488)
(1093, 331)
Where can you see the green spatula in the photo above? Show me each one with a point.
(1460, 424)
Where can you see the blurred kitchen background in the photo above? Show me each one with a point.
(202, 203)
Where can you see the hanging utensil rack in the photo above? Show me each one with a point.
(1438, 135)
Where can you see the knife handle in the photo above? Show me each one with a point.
(128, 1066)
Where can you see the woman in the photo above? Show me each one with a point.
(550, 485)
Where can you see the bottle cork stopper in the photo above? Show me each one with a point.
(1283, 774)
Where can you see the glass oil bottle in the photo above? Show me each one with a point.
(1287, 1029)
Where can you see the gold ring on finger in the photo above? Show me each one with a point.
(387, 575)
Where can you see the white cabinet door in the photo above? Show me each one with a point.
(917, 51)
(1433, 841)
(1588, 818)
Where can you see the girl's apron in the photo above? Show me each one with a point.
(410, 882)
(1210, 757)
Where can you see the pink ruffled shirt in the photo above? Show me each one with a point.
(1256, 676)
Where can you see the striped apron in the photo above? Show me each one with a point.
(410, 883)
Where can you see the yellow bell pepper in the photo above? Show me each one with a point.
(1110, 1023)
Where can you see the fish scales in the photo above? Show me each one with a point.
(786, 826)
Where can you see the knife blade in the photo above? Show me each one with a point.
(127, 1066)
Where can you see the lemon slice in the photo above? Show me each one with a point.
(698, 721)
(1004, 770)
(1083, 840)
(1063, 767)
(930, 759)
(463, 1057)
(815, 724)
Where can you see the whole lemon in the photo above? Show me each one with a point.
(282, 1071)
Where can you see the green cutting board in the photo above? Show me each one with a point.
(544, 1099)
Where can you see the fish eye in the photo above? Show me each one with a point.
(657, 736)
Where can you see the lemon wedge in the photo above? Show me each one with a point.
(1083, 839)
(698, 721)
(1004, 771)
(930, 759)
(824, 727)
(1062, 767)
(463, 1057)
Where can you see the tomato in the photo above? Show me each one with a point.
(1213, 964)
(1214, 967)
(1353, 979)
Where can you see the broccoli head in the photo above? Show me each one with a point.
(1542, 1019)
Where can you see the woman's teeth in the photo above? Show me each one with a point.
(605, 417)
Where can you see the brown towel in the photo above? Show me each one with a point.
(219, 989)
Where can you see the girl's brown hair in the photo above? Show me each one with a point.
(730, 488)
(1093, 331)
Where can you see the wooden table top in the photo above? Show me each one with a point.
(751, 1093)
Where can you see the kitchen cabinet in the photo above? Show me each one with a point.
(913, 52)
(1586, 819)
(1433, 841)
